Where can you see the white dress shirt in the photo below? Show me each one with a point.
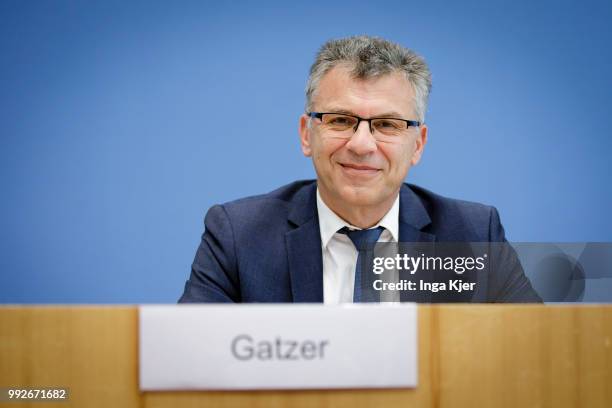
(339, 253)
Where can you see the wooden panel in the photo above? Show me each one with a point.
(91, 350)
(520, 356)
(470, 356)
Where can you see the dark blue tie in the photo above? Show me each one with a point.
(364, 241)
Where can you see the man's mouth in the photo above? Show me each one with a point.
(359, 169)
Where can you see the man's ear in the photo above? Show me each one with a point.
(420, 142)
(305, 135)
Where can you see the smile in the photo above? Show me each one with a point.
(358, 170)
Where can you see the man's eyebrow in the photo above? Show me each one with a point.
(389, 114)
(340, 110)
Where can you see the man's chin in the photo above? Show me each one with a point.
(360, 196)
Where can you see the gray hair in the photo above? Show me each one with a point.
(372, 57)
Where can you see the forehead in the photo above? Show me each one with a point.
(338, 89)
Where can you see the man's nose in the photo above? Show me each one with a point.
(363, 141)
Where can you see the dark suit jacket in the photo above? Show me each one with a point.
(267, 248)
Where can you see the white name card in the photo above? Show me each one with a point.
(249, 347)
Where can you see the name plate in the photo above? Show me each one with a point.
(250, 347)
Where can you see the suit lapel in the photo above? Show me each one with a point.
(304, 248)
(412, 219)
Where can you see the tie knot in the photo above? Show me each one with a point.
(362, 238)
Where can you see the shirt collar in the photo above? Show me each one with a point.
(330, 222)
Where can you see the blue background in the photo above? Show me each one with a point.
(121, 124)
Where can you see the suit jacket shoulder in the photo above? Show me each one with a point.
(457, 220)
(243, 255)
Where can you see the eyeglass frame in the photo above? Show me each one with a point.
(319, 115)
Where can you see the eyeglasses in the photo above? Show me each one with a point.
(345, 125)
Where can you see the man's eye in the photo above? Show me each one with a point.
(341, 121)
(387, 124)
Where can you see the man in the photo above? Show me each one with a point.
(363, 128)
